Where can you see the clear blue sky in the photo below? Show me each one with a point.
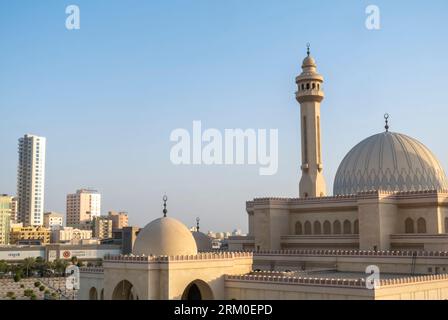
(108, 95)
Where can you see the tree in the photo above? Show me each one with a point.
(4, 267)
(41, 288)
(17, 277)
(28, 264)
(37, 284)
(59, 265)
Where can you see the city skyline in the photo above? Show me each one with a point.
(107, 110)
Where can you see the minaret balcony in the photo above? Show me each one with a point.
(305, 167)
(310, 95)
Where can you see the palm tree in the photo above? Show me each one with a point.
(28, 263)
(60, 265)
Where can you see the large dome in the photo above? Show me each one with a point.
(390, 162)
(165, 237)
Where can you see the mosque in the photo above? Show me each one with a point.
(390, 192)
(388, 213)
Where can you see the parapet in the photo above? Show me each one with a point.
(197, 257)
(354, 253)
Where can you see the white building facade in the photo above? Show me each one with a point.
(70, 235)
(53, 220)
(31, 180)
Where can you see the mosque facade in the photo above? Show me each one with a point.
(390, 192)
(387, 217)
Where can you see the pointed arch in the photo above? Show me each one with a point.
(317, 227)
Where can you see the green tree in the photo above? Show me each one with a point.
(59, 265)
(28, 265)
(41, 288)
(17, 277)
(37, 283)
(4, 266)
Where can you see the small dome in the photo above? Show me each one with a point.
(165, 236)
(203, 241)
(309, 62)
(390, 162)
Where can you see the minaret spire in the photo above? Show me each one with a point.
(308, 49)
(386, 118)
(310, 94)
(165, 199)
(197, 224)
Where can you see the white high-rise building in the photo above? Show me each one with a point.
(83, 206)
(31, 180)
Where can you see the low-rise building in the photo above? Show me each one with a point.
(129, 236)
(102, 227)
(119, 219)
(30, 234)
(53, 220)
(14, 209)
(70, 235)
(5, 217)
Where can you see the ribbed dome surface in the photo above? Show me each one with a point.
(390, 162)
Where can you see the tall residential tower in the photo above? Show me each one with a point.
(31, 180)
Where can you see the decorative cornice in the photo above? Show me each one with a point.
(353, 253)
(332, 282)
(196, 257)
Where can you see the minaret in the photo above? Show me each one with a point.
(309, 94)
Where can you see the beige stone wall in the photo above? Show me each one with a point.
(167, 278)
(434, 223)
(351, 263)
(247, 290)
(211, 272)
(89, 280)
(281, 290)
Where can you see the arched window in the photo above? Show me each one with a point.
(314, 86)
(303, 86)
(93, 294)
(317, 228)
(409, 225)
(347, 227)
(421, 225)
(356, 227)
(308, 227)
(327, 227)
(299, 228)
(318, 86)
(307, 86)
(337, 227)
